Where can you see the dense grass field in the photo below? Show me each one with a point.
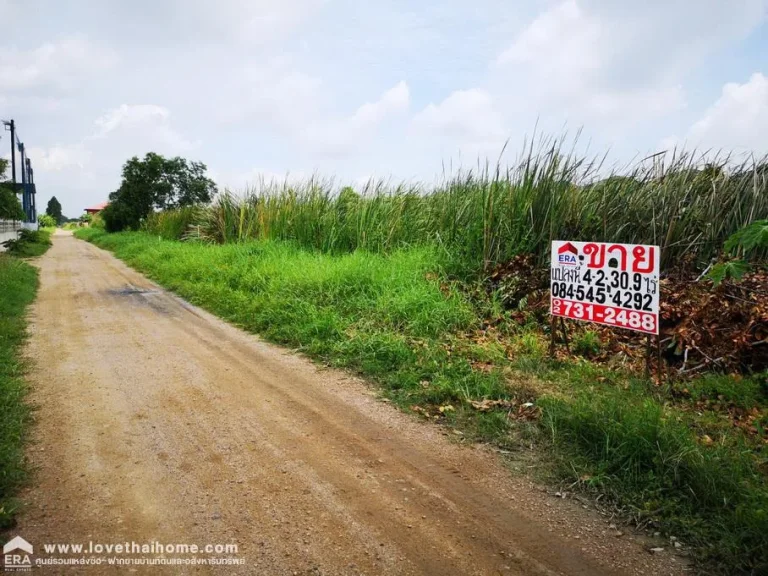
(397, 317)
(18, 286)
(483, 218)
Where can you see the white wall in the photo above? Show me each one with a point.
(8, 231)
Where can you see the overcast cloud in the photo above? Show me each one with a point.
(358, 89)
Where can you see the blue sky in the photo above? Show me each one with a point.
(360, 89)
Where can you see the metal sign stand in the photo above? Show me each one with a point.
(553, 335)
(563, 327)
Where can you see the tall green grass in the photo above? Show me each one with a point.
(483, 217)
(172, 224)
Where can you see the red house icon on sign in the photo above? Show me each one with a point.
(568, 247)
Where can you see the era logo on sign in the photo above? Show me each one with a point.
(568, 254)
(17, 561)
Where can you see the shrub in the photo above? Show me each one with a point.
(117, 216)
(46, 221)
(29, 243)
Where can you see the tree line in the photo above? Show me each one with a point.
(155, 183)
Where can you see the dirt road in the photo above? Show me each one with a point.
(158, 422)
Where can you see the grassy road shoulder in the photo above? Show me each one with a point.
(395, 319)
(18, 287)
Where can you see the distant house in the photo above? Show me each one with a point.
(96, 209)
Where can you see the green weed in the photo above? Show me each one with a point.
(587, 344)
(745, 392)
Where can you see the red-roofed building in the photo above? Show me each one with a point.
(96, 209)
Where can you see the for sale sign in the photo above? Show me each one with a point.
(614, 284)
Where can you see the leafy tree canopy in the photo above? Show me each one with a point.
(156, 183)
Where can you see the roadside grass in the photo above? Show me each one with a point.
(670, 465)
(30, 243)
(666, 461)
(18, 286)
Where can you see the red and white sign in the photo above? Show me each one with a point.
(613, 284)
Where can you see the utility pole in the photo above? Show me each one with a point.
(24, 190)
(12, 124)
(32, 191)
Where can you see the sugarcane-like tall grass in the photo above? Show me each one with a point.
(485, 216)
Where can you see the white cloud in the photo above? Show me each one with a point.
(466, 127)
(465, 115)
(147, 124)
(372, 113)
(118, 134)
(613, 66)
(561, 45)
(125, 115)
(253, 23)
(239, 182)
(737, 121)
(273, 93)
(339, 136)
(60, 64)
(57, 158)
(650, 102)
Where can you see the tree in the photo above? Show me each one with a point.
(10, 207)
(54, 210)
(156, 183)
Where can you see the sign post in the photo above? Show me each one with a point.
(611, 284)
